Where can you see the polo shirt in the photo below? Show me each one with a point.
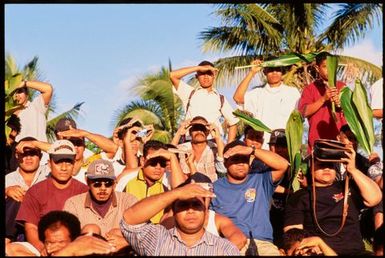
(81, 206)
(139, 188)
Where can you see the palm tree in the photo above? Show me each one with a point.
(158, 105)
(13, 77)
(259, 30)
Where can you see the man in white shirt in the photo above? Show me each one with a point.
(205, 100)
(271, 103)
(376, 98)
(32, 118)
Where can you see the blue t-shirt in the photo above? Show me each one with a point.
(247, 204)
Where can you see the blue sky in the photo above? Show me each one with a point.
(96, 52)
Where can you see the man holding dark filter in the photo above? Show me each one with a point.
(205, 100)
(329, 198)
(245, 197)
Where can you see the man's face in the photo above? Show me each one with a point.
(206, 79)
(21, 98)
(273, 75)
(61, 170)
(323, 70)
(198, 131)
(154, 168)
(254, 138)
(324, 173)
(190, 215)
(238, 166)
(56, 239)
(29, 160)
(101, 189)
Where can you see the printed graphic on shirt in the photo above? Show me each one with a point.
(338, 197)
(250, 194)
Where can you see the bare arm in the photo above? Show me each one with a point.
(232, 133)
(239, 94)
(230, 231)
(277, 163)
(182, 130)
(32, 236)
(310, 109)
(45, 89)
(287, 228)
(315, 243)
(85, 245)
(177, 75)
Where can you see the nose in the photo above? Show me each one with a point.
(64, 166)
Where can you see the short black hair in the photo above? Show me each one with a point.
(292, 236)
(248, 128)
(54, 219)
(321, 56)
(154, 145)
(13, 122)
(205, 62)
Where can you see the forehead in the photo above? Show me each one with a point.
(61, 233)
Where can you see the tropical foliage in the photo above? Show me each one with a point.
(259, 30)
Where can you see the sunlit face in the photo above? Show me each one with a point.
(324, 173)
(29, 161)
(61, 171)
(190, 215)
(198, 131)
(254, 138)
(205, 79)
(20, 98)
(56, 239)
(237, 167)
(322, 70)
(273, 75)
(101, 189)
(154, 168)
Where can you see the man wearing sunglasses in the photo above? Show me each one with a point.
(101, 205)
(51, 193)
(245, 197)
(208, 156)
(187, 238)
(271, 103)
(205, 100)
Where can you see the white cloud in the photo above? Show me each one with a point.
(366, 51)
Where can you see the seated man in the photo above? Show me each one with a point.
(299, 212)
(187, 238)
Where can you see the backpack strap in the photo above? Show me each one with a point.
(189, 99)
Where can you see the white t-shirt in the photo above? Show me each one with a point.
(15, 178)
(272, 106)
(376, 94)
(205, 103)
(33, 121)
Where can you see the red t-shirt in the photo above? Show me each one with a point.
(321, 123)
(44, 197)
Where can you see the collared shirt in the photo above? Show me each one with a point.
(80, 205)
(156, 240)
(33, 121)
(15, 178)
(205, 103)
(208, 163)
(139, 188)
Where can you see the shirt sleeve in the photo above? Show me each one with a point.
(227, 112)
(142, 237)
(376, 95)
(183, 92)
(39, 105)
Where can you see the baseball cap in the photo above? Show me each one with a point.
(100, 168)
(62, 149)
(64, 124)
(278, 137)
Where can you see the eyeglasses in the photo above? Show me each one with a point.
(236, 159)
(157, 160)
(198, 127)
(106, 183)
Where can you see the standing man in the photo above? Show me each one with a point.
(316, 105)
(271, 103)
(51, 193)
(32, 118)
(205, 100)
(245, 198)
(101, 205)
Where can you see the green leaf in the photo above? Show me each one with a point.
(253, 122)
(12, 84)
(293, 131)
(289, 59)
(332, 64)
(360, 100)
(353, 119)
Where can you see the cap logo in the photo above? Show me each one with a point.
(63, 147)
(102, 169)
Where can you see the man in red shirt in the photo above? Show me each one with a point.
(316, 105)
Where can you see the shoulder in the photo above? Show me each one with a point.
(126, 197)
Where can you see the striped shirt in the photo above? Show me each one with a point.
(155, 240)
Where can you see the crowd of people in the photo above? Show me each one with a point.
(215, 189)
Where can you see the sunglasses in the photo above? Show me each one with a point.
(236, 159)
(106, 183)
(187, 204)
(209, 73)
(198, 127)
(157, 160)
(273, 69)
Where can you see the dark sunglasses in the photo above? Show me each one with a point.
(236, 159)
(323, 165)
(157, 160)
(272, 69)
(98, 183)
(77, 141)
(198, 127)
(187, 204)
(209, 73)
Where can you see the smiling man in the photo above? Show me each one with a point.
(187, 238)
